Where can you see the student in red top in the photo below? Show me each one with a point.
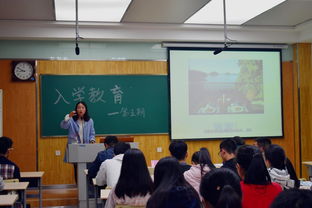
(257, 188)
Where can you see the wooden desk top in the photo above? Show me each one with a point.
(8, 200)
(307, 163)
(36, 174)
(15, 186)
(105, 193)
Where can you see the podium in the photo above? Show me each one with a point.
(83, 154)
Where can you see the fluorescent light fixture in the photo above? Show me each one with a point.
(91, 10)
(237, 11)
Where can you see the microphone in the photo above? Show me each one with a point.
(77, 50)
(217, 51)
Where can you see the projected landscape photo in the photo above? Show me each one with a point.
(225, 87)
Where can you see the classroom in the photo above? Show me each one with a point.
(135, 48)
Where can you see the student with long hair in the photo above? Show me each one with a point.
(275, 159)
(221, 188)
(134, 185)
(201, 164)
(257, 188)
(170, 188)
(262, 143)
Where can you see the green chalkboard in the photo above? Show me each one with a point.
(118, 104)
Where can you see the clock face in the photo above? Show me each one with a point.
(23, 70)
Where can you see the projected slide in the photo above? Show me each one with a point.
(234, 93)
(230, 86)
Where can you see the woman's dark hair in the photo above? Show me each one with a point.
(251, 161)
(167, 176)
(134, 179)
(86, 116)
(202, 157)
(293, 198)
(221, 188)
(276, 156)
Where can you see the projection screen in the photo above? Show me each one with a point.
(234, 93)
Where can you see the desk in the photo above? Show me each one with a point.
(17, 186)
(37, 175)
(309, 165)
(8, 200)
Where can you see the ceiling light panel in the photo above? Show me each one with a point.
(91, 10)
(237, 11)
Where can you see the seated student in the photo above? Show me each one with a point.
(275, 160)
(257, 188)
(110, 169)
(201, 164)
(293, 198)
(170, 188)
(227, 153)
(239, 141)
(178, 149)
(134, 185)
(221, 188)
(8, 169)
(262, 143)
(108, 153)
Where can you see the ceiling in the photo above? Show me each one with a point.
(157, 20)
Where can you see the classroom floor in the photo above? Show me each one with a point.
(54, 196)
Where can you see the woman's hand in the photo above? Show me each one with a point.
(71, 114)
(92, 141)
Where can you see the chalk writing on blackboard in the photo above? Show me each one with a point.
(129, 112)
(60, 96)
(117, 94)
(95, 95)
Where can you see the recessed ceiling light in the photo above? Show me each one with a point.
(91, 10)
(237, 11)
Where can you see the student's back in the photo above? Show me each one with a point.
(134, 185)
(178, 150)
(258, 190)
(170, 188)
(201, 164)
(94, 167)
(8, 169)
(110, 169)
(276, 162)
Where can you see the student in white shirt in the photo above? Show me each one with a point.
(109, 171)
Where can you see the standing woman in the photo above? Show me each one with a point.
(80, 126)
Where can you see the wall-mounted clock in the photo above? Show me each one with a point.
(23, 71)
